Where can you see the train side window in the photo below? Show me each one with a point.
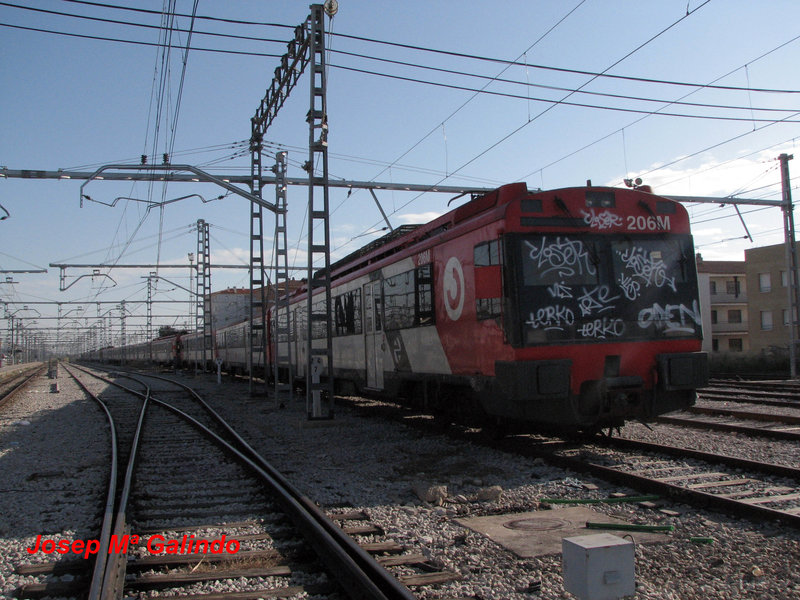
(408, 299)
(424, 295)
(347, 313)
(488, 280)
(487, 254)
(398, 294)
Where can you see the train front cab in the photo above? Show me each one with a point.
(600, 305)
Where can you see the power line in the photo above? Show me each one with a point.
(639, 120)
(145, 25)
(508, 63)
(136, 42)
(530, 120)
(201, 17)
(564, 102)
(539, 85)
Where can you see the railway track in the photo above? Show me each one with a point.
(12, 382)
(767, 396)
(198, 505)
(771, 425)
(743, 488)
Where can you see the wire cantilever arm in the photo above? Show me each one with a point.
(63, 288)
(202, 175)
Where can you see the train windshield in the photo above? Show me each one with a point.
(583, 288)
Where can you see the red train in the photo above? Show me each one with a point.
(575, 308)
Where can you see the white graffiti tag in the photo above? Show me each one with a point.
(630, 287)
(551, 317)
(559, 290)
(603, 220)
(603, 328)
(564, 256)
(596, 300)
(646, 268)
(672, 318)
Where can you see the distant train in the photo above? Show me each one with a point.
(575, 308)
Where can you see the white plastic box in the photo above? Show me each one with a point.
(598, 567)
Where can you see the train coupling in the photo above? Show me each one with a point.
(611, 398)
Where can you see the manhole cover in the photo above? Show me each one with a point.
(546, 524)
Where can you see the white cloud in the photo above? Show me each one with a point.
(414, 218)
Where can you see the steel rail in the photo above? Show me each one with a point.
(745, 414)
(700, 424)
(769, 400)
(360, 575)
(723, 459)
(674, 492)
(112, 586)
(26, 378)
(108, 512)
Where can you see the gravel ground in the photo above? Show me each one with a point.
(52, 473)
(733, 444)
(374, 465)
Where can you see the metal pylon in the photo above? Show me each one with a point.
(281, 323)
(258, 303)
(123, 333)
(319, 392)
(149, 316)
(203, 292)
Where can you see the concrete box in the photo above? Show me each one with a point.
(598, 567)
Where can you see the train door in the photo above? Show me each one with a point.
(373, 335)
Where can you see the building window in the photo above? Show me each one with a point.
(713, 288)
(734, 316)
(786, 313)
(764, 282)
(715, 345)
(766, 320)
(713, 317)
(732, 287)
(735, 344)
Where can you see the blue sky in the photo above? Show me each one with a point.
(74, 103)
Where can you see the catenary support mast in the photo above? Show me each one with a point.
(793, 281)
(319, 393)
(281, 326)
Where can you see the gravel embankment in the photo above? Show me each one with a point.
(374, 465)
(52, 474)
(739, 445)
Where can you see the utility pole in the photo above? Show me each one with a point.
(793, 283)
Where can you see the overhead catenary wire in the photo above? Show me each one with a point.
(642, 118)
(545, 111)
(508, 63)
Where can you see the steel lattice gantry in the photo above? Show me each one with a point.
(203, 292)
(307, 48)
(292, 65)
(282, 361)
(319, 394)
